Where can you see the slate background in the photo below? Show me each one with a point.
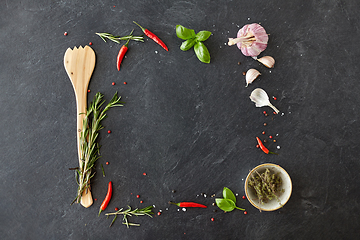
(190, 126)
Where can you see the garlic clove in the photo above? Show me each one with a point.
(251, 75)
(267, 61)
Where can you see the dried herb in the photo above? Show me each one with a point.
(117, 39)
(89, 147)
(128, 213)
(266, 185)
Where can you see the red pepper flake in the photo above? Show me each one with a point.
(245, 212)
(109, 131)
(107, 163)
(243, 197)
(138, 196)
(212, 219)
(113, 84)
(90, 43)
(65, 33)
(144, 173)
(116, 209)
(159, 213)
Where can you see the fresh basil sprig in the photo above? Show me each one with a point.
(228, 202)
(194, 40)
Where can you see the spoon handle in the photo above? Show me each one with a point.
(274, 108)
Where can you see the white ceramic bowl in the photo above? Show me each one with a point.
(273, 204)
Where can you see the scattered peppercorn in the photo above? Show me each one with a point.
(239, 63)
(213, 204)
(109, 131)
(90, 43)
(65, 33)
(159, 213)
(138, 196)
(212, 219)
(107, 163)
(113, 83)
(274, 113)
(144, 173)
(265, 140)
(265, 124)
(257, 145)
(264, 112)
(263, 132)
(141, 201)
(244, 73)
(125, 82)
(116, 209)
(245, 212)
(266, 115)
(270, 136)
(95, 199)
(173, 191)
(243, 197)
(274, 140)
(88, 90)
(214, 210)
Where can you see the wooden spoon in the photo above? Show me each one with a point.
(79, 64)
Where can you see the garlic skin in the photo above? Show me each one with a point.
(251, 75)
(251, 39)
(267, 61)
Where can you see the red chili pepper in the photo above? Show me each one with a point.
(107, 198)
(153, 37)
(121, 54)
(189, 204)
(262, 147)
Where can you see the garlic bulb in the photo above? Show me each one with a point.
(267, 61)
(251, 40)
(251, 75)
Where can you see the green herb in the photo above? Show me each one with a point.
(89, 148)
(194, 40)
(266, 185)
(117, 39)
(102, 169)
(128, 213)
(228, 202)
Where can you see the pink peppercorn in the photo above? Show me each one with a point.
(109, 131)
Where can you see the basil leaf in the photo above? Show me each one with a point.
(228, 194)
(184, 33)
(188, 44)
(202, 52)
(203, 35)
(226, 205)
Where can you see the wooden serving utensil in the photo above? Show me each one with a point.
(79, 64)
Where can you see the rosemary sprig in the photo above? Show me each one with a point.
(89, 148)
(128, 213)
(117, 39)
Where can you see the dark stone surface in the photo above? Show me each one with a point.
(190, 126)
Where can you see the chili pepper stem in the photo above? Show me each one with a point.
(143, 29)
(100, 212)
(177, 204)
